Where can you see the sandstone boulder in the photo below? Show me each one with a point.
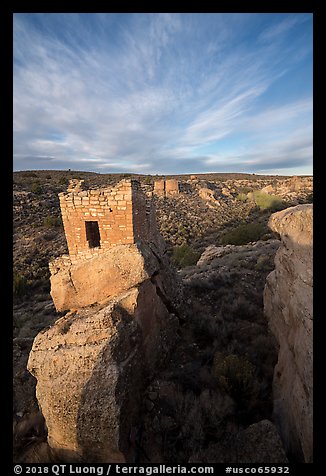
(93, 364)
(259, 443)
(91, 367)
(212, 252)
(226, 192)
(296, 184)
(80, 284)
(208, 194)
(268, 189)
(288, 306)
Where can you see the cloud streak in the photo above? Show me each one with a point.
(151, 93)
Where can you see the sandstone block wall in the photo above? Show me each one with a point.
(171, 187)
(167, 187)
(159, 187)
(120, 213)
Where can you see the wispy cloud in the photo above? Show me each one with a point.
(280, 28)
(285, 153)
(135, 92)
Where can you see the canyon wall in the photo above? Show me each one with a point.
(288, 305)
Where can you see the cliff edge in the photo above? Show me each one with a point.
(288, 305)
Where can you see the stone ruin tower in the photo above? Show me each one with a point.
(95, 220)
(165, 188)
(93, 364)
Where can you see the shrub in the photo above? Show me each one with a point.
(236, 376)
(267, 202)
(29, 175)
(205, 328)
(63, 181)
(245, 190)
(242, 197)
(244, 234)
(19, 285)
(184, 255)
(264, 263)
(50, 221)
(49, 236)
(48, 177)
(148, 180)
(36, 188)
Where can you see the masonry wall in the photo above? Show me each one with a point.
(167, 187)
(171, 187)
(159, 188)
(111, 208)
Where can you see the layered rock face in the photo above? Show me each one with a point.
(288, 306)
(93, 364)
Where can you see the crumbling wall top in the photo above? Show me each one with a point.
(75, 185)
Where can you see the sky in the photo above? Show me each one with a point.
(163, 93)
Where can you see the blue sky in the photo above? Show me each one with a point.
(163, 93)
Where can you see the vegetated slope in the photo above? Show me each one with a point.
(219, 379)
(188, 406)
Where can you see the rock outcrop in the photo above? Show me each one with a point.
(259, 443)
(213, 252)
(288, 306)
(92, 365)
(268, 189)
(293, 189)
(85, 282)
(209, 195)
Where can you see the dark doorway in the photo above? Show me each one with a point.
(92, 234)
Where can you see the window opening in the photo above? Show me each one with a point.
(92, 234)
